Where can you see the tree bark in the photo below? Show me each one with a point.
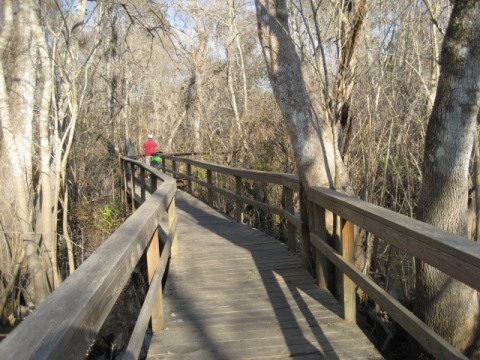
(448, 306)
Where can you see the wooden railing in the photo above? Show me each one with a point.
(454, 255)
(64, 326)
(66, 323)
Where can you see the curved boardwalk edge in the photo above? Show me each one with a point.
(236, 293)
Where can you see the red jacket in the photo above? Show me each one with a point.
(149, 147)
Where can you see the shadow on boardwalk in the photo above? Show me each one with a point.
(236, 293)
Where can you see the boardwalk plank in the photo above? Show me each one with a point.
(235, 293)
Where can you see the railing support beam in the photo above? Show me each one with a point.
(291, 230)
(125, 183)
(132, 184)
(153, 184)
(348, 286)
(324, 275)
(142, 184)
(153, 258)
(174, 169)
(189, 182)
(239, 203)
(210, 184)
(306, 254)
(172, 213)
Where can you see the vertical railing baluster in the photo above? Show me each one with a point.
(322, 266)
(125, 182)
(142, 184)
(172, 212)
(174, 169)
(348, 286)
(337, 244)
(132, 183)
(153, 258)
(291, 229)
(210, 191)
(239, 202)
(306, 258)
(153, 184)
(189, 182)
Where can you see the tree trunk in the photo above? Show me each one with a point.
(233, 37)
(476, 209)
(194, 97)
(448, 306)
(352, 13)
(17, 119)
(46, 217)
(313, 140)
(66, 235)
(310, 135)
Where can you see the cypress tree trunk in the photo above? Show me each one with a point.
(448, 306)
(17, 125)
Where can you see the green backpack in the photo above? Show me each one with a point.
(155, 159)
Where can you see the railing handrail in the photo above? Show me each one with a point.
(66, 323)
(288, 180)
(455, 255)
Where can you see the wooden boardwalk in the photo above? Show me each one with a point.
(236, 293)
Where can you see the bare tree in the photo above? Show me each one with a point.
(34, 187)
(233, 39)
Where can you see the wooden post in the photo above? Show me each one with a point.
(142, 184)
(238, 191)
(348, 247)
(172, 212)
(163, 164)
(132, 184)
(337, 245)
(305, 231)
(153, 258)
(189, 182)
(322, 266)
(291, 230)
(125, 182)
(174, 169)
(210, 191)
(153, 184)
